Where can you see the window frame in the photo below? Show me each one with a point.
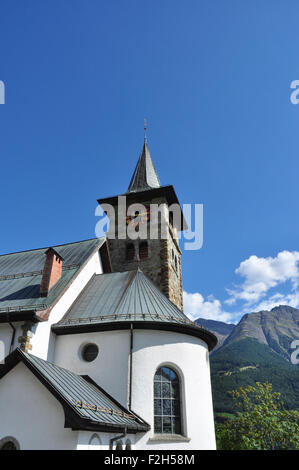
(179, 381)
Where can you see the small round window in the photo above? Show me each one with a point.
(90, 352)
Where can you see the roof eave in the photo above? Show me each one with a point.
(192, 330)
(72, 419)
(166, 191)
(19, 315)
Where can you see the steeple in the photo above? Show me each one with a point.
(159, 257)
(145, 176)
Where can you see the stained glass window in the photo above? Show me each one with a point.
(167, 408)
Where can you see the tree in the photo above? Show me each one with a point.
(261, 423)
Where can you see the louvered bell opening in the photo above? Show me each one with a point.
(130, 252)
(143, 250)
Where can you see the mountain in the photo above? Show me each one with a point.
(277, 329)
(257, 349)
(221, 329)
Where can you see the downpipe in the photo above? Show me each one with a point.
(116, 438)
(12, 337)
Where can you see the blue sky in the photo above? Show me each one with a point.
(212, 78)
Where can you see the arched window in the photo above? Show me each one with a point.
(167, 407)
(9, 443)
(143, 250)
(128, 444)
(94, 442)
(130, 252)
(119, 445)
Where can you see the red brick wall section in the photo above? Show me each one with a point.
(52, 271)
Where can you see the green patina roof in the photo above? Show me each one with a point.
(88, 403)
(118, 300)
(145, 176)
(21, 273)
(127, 296)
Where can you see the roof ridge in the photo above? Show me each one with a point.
(80, 294)
(164, 298)
(51, 246)
(130, 280)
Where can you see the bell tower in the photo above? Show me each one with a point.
(159, 257)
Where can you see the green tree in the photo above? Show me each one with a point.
(261, 423)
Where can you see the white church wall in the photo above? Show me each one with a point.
(101, 440)
(6, 336)
(43, 340)
(109, 369)
(189, 357)
(31, 414)
(6, 333)
(186, 354)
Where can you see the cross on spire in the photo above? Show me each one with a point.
(145, 129)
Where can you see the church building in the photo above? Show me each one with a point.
(95, 350)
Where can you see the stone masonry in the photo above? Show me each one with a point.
(163, 263)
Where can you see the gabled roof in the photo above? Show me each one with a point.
(145, 176)
(86, 405)
(116, 300)
(21, 274)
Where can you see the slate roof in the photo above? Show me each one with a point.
(145, 176)
(115, 299)
(21, 273)
(86, 405)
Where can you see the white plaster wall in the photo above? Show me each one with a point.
(188, 355)
(101, 441)
(30, 413)
(5, 340)
(6, 333)
(109, 369)
(43, 340)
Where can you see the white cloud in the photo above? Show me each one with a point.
(253, 294)
(279, 299)
(195, 306)
(262, 274)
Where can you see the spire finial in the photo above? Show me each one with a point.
(145, 128)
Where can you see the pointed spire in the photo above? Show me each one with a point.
(145, 176)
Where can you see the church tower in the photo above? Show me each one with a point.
(158, 257)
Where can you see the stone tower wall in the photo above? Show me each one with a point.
(163, 264)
